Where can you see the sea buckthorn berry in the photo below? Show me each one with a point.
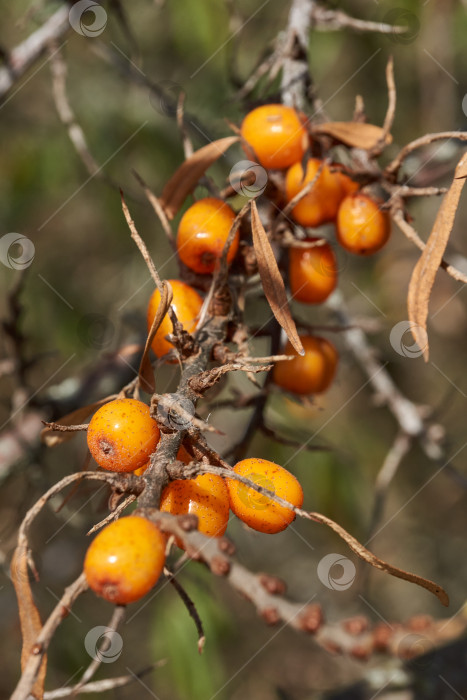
(205, 496)
(125, 560)
(312, 272)
(187, 304)
(348, 185)
(320, 205)
(311, 373)
(182, 456)
(122, 435)
(275, 135)
(362, 227)
(256, 510)
(202, 233)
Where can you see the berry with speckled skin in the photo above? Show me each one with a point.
(187, 304)
(362, 227)
(311, 373)
(122, 435)
(312, 272)
(274, 135)
(125, 560)
(202, 233)
(320, 205)
(256, 510)
(205, 496)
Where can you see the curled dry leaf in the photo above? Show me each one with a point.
(146, 374)
(51, 437)
(186, 177)
(354, 134)
(271, 278)
(30, 620)
(372, 559)
(423, 276)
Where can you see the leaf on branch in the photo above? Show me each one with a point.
(424, 273)
(51, 438)
(207, 379)
(186, 177)
(355, 134)
(146, 373)
(370, 558)
(30, 620)
(271, 278)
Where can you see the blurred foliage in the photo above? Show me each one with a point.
(86, 263)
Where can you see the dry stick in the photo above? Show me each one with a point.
(190, 606)
(114, 514)
(187, 145)
(58, 614)
(60, 428)
(409, 231)
(104, 685)
(141, 246)
(26, 53)
(391, 110)
(158, 209)
(394, 166)
(295, 79)
(406, 413)
(331, 20)
(116, 619)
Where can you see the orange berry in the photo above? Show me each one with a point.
(187, 304)
(205, 496)
(258, 511)
(312, 272)
(348, 185)
(122, 435)
(202, 233)
(320, 205)
(275, 135)
(362, 228)
(182, 456)
(311, 373)
(125, 560)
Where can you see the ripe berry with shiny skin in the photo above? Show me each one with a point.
(187, 304)
(362, 227)
(125, 560)
(320, 205)
(276, 136)
(311, 373)
(256, 510)
(205, 496)
(202, 233)
(312, 272)
(122, 435)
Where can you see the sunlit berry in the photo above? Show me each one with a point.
(122, 435)
(274, 135)
(363, 227)
(311, 373)
(187, 304)
(320, 205)
(312, 272)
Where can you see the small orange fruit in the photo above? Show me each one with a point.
(125, 560)
(312, 272)
(182, 456)
(122, 435)
(205, 496)
(202, 233)
(258, 511)
(275, 135)
(187, 304)
(348, 185)
(320, 205)
(311, 373)
(362, 227)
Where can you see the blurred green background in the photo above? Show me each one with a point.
(85, 263)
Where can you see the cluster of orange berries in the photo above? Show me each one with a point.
(127, 557)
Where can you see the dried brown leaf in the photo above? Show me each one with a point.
(52, 438)
(370, 558)
(424, 273)
(146, 373)
(355, 134)
(30, 620)
(272, 281)
(186, 177)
